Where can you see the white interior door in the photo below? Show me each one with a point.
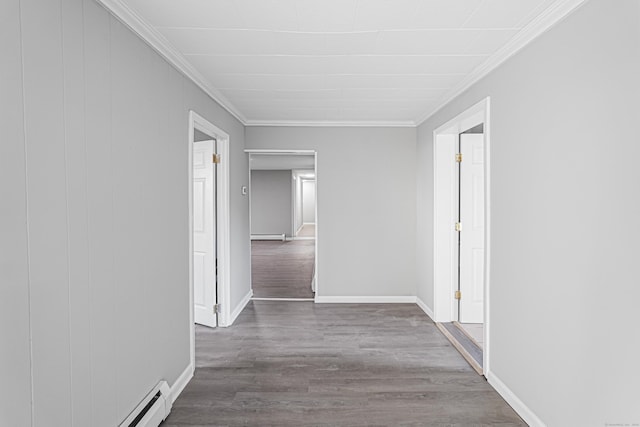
(204, 234)
(472, 233)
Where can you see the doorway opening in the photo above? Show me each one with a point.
(461, 233)
(208, 189)
(304, 205)
(283, 221)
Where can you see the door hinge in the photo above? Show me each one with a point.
(458, 226)
(458, 295)
(216, 158)
(458, 157)
(216, 308)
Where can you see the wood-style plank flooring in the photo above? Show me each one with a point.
(282, 269)
(306, 364)
(307, 230)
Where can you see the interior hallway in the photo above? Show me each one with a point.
(300, 363)
(282, 269)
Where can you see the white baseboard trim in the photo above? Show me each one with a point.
(181, 382)
(425, 308)
(518, 405)
(282, 299)
(236, 311)
(268, 237)
(366, 300)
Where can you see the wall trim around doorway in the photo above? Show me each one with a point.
(314, 153)
(223, 236)
(445, 261)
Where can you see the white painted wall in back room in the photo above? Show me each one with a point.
(564, 177)
(297, 200)
(309, 202)
(271, 210)
(366, 190)
(94, 248)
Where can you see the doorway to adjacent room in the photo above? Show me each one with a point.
(209, 243)
(283, 221)
(461, 286)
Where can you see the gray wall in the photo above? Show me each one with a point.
(297, 200)
(424, 205)
(271, 209)
(366, 205)
(564, 186)
(94, 247)
(309, 202)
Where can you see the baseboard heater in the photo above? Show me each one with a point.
(153, 409)
(268, 237)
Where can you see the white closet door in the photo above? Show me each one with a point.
(204, 234)
(472, 234)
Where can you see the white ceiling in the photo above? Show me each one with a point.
(337, 61)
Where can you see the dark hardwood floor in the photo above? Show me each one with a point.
(282, 269)
(306, 364)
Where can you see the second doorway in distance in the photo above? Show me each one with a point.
(283, 225)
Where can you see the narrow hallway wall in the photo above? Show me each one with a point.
(564, 177)
(94, 278)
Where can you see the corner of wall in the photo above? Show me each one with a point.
(238, 309)
(518, 405)
(181, 382)
(428, 311)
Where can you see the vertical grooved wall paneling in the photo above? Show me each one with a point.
(15, 351)
(94, 250)
(48, 213)
(100, 213)
(76, 178)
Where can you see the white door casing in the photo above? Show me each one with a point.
(204, 234)
(472, 233)
(445, 215)
(315, 280)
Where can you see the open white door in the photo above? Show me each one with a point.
(204, 234)
(472, 232)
